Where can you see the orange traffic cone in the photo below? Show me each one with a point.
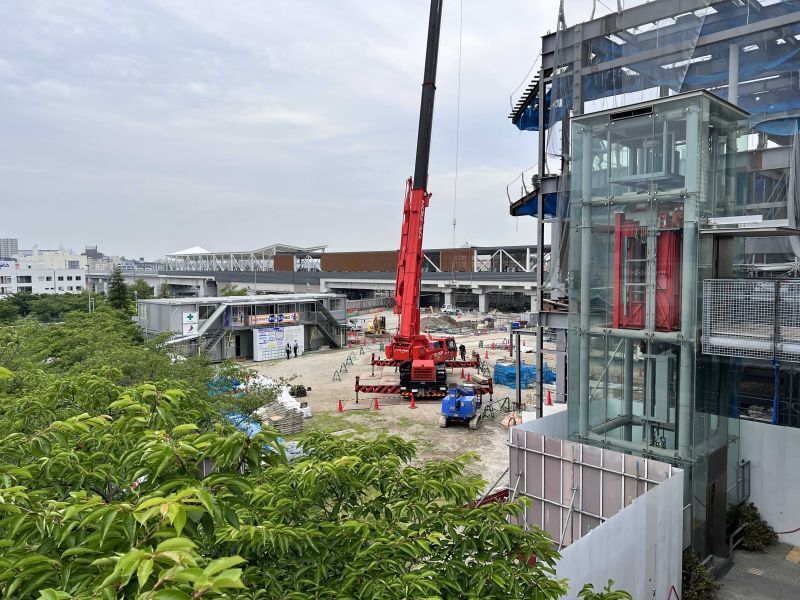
(413, 404)
(492, 345)
(549, 399)
(376, 404)
(469, 379)
(462, 373)
(486, 355)
(340, 408)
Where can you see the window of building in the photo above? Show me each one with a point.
(69, 288)
(61, 278)
(60, 288)
(24, 279)
(25, 288)
(78, 288)
(69, 277)
(49, 278)
(41, 277)
(77, 277)
(5, 279)
(73, 264)
(206, 311)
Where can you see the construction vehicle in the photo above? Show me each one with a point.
(461, 404)
(377, 326)
(421, 360)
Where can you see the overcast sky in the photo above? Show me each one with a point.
(149, 127)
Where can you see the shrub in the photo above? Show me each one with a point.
(698, 583)
(757, 533)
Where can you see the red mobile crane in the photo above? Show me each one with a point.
(421, 360)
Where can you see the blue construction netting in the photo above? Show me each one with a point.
(505, 374)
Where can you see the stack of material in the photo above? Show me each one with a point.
(480, 379)
(286, 420)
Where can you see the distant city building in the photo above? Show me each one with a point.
(100, 263)
(52, 259)
(36, 278)
(8, 247)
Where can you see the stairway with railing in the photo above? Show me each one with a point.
(328, 325)
(212, 338)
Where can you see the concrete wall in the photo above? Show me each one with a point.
(639, 548)
(773, 452)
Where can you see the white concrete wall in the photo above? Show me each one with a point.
(773, 453)
(639, 548)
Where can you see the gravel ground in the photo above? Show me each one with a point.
(316, 370)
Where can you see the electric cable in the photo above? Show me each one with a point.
(458, 129)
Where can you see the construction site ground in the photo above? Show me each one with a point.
(316, 370)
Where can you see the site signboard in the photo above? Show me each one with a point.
(269, 343)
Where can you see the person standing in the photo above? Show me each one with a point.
(462, 349)
(295, 349)
(288, 351)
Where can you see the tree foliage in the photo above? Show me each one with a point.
(140, 290)
(46, 308)
(229, 289)
(118, 296)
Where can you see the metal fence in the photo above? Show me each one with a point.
(752, 318)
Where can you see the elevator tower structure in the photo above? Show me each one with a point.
(645, 180)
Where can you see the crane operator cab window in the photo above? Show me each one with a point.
(434, 345)
(451, 345)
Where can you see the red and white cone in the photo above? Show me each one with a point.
(413, 403)
(340, 408)
(375, 404)
(549, 399)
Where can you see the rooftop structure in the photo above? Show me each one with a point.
(262, 259)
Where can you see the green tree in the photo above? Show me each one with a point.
(165, 291)
(230, 289)
(8, 312)
(118, 291)
(140, 290)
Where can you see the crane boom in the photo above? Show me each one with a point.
(423, 357)
(409, 264)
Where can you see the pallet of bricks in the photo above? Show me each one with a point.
(286, 420)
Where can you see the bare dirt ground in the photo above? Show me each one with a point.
(316, 370)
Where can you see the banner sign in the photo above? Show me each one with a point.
(276, 319)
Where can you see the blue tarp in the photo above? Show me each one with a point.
(222, 385)
(505, 374)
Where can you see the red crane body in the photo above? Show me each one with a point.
(422, 357)
(409, 344)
